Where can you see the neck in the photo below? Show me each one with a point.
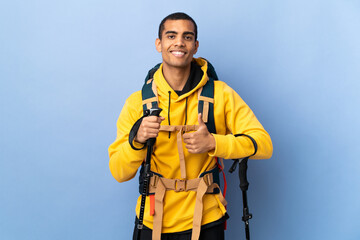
(176, 77)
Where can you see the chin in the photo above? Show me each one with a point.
(182, 64)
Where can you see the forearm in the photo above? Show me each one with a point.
(234, 117)
(124, 160)
(229, 146)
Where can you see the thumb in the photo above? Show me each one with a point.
(200, 120)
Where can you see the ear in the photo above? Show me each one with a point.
(196, 46)
(158, 45)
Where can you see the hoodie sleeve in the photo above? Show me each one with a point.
(233, 116)
(125, 161)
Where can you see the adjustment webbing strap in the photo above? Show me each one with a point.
(202, 185)
(159, 210)
(181, 129)
(206, 105)
(202, 189)
(199, 205)
(198, 210)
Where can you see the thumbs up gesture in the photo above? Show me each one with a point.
(200, 141)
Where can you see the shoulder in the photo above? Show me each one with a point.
(224, 93)
(221, 88)
(134, 101)
(135, 97)
(132, 108)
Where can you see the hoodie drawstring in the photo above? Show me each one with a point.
(186, 111)
(186, 103)
(169, 110)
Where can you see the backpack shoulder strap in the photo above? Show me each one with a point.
(149, 92)
(206, 99)
(149, 95)
(206, 105)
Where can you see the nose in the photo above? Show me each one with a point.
(179, 42)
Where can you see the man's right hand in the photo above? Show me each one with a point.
(149, 128)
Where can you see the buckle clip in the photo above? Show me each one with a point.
(208, 179)
(154, 180)
(180, 185)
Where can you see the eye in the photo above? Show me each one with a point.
(171, 36)
(189, 38)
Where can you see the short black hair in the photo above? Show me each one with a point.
(177, 16)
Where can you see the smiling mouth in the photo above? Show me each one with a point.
(178, 53)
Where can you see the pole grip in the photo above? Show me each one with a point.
(153, 112)
(244, 184)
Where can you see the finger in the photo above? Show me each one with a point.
(200, 120)
(154, 125)
(152, 135)
(188, 141)
(151, 119)
(146, 132)
(186, 136)
(191, 144)
(149, 133)
(150, 130)
(189, 147)
(192, 150)
(143, 136)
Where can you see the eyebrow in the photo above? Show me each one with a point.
(189, 33)
(185, 33)
(171, 32)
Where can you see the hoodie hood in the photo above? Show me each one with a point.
(164, 88)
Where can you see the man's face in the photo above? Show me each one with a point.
(177, 44)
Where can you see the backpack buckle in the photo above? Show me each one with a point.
(180, 185)
(208, 179)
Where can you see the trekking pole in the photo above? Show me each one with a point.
(150, 143)
(244, 184)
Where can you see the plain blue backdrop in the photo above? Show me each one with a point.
(66, 68)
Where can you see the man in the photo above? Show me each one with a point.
(185, 150)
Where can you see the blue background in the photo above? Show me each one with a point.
(66, 68)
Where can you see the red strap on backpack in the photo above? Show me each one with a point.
(225, 184)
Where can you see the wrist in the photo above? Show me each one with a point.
(212, 145)
(136, 139)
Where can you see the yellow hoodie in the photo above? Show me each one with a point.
(232, 116)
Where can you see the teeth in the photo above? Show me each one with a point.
(177, 53)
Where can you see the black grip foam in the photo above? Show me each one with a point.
(244, 184)
(153, 112)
